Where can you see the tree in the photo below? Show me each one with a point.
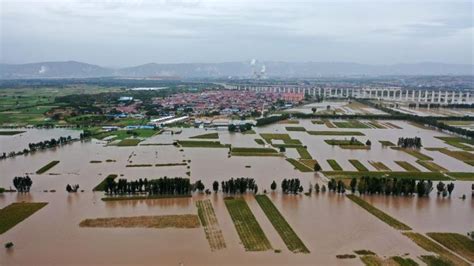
(450, 188)
(314, 109)
(215, 186)
(232, 128)
(68, 188)
(282, 149)
(440, 187)
(353, 184)
(317, 167)
(200, 186)
(316, 188)
(273, 186)
(368, 142)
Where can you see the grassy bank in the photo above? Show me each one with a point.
(300, 166)
(379, 166)
(251, 234)
(435, 176)
(301, 129)
(201, 144)
(291, 239)
(208, 219)
(386, 143)
(407, 166)
(101, 185)
(458, 243)
(334, 165)
(304, 154)
(378, 213)
(128, 142)
(415, 153)
(162, 221)
(45, 168)
(15, 213)
(145, 197)
(10, 133)
(432, 246)
(433, 167)
(336, 133)
(358, 165)
(244, 151)
(214, 135)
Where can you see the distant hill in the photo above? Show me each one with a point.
(73, 69)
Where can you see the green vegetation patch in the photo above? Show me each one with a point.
(15, 213)
(371, 260)
(379, 166)
(161, 221)
(433, 167)
(208, 219)
(432, 246)
(415, 153)
(358, 165)
(463, 156)
(334, 165)
(45, 168)
(248, 132)
(201, 144)
(301, 129)
(435, 176)
(128, 142)
(387, 143)
(268, 137)
(463, 176)
(101, 185)
(458, 142)
(139, 165)
(435, 261)
(336, 133)
(458, 243)
(350, 124)
(169, 164)
(214, 135)
(251, 234)
(404, 261)
(364, 252)
(303, 152)
(300, 166)
(291, 239)
(378, 213)
(342, 142)
(259, 141)
(248, 151)
(10, 133)
(407, 166)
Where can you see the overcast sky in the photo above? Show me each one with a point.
(132, 32)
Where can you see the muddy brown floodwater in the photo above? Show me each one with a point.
(328, 224)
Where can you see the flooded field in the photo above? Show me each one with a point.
(327, 223)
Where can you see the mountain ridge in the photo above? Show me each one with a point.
(76, 69)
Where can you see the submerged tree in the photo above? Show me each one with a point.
(22, 183)
(273, 186)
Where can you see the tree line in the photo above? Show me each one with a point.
(237, 185)
(291, 186)
(160, 186)
(271, 119)
(390, 186)
(409, 142)
(32, 147)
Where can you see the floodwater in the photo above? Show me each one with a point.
(328, 224)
